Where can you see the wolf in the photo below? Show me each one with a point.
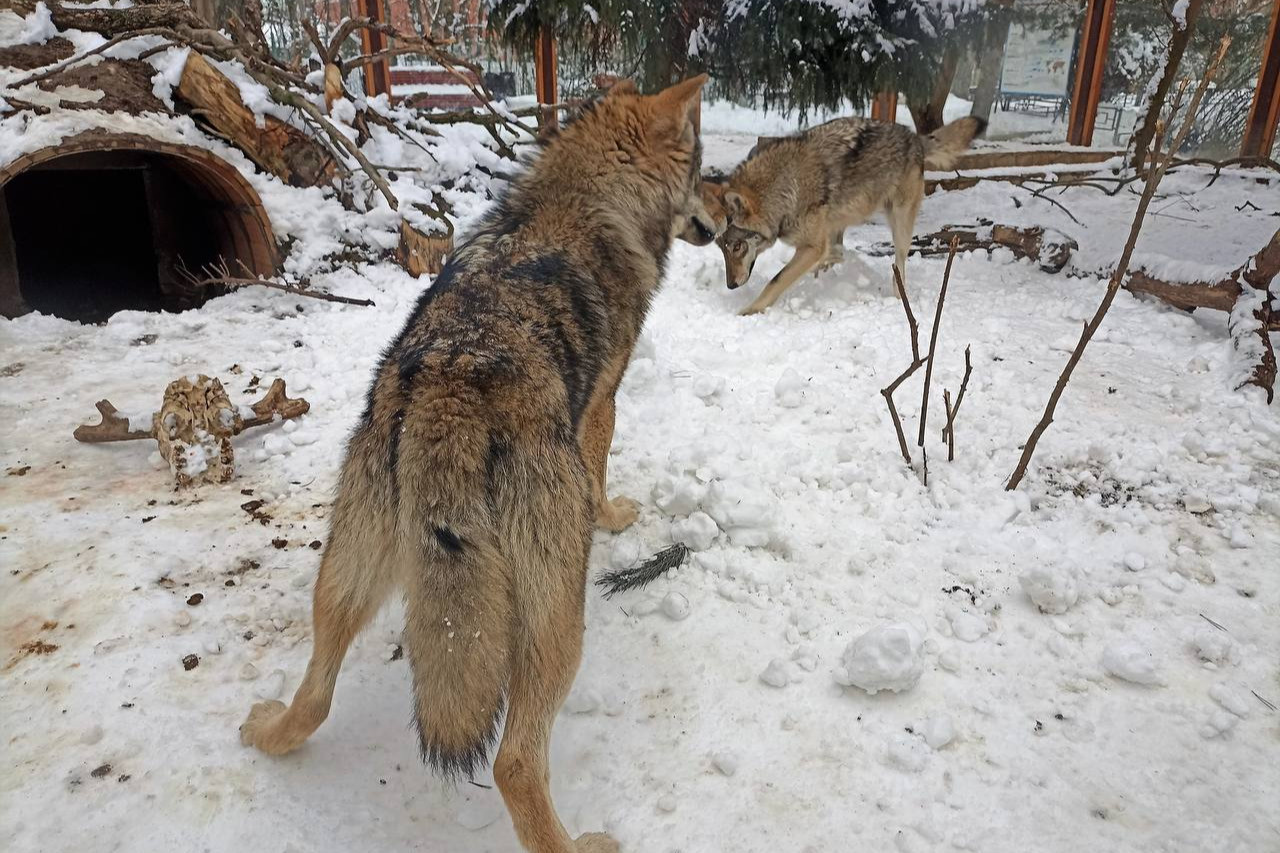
(808, 188)
(478, 467)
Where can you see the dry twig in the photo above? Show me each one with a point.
(916, 361)
(933, 342)
(1154, 176)
(949, 431)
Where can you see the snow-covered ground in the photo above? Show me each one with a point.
(1080, 665)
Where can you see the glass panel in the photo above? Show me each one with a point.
(1037, 73)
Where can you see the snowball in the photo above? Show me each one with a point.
(732, 505)
(675, 606)
(1051, 589)
(790, 389)
(678, 496)
(91, 735)
(1134, 561)
(776, 674)
(697, 531)
(725, 762)
(667, 803)
(1130, 661)
(707, 386)
(939, 731)
(967, 627)
(1213, 646)
(888, 657)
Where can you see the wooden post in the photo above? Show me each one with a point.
(1091, 59)
(884, 107)
(544, 74)
(1260, 130)
(377, 73)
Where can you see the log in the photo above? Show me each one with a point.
(1257, 273)
(423, 254)
(278, 148)
(1049, 248)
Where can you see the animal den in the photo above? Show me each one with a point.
(107, 222)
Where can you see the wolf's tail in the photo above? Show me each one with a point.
(944, 145)
(458, 608)
(458, 638)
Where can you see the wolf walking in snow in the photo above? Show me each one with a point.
(474, 476)
(808, 188)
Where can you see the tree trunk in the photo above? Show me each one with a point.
(276, 147)
(1146, 130)
(928, 115)
(994, 39)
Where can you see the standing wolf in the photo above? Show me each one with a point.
(807, 189)
(474, 476)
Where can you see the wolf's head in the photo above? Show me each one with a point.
(706, 218)
(745, 236)
(638, 157)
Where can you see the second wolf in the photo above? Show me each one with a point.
(808, 188)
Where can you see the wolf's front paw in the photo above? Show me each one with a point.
(595, 842)
(257, 730)
(752, 309)
(617, 514)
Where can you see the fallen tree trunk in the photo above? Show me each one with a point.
(1049, 248)
(1257, 273)
(276, 147)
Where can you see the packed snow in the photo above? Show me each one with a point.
(850, 659)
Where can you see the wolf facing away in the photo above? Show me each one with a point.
(808, 188)
(474, 475)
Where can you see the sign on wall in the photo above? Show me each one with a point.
(1037, 62)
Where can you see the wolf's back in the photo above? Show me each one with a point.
(944, 145)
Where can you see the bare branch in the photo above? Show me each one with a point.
(1154, 177)
(933, 342)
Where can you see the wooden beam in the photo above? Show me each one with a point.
(884, 107)
(377, 73)
(1264, 115)
(1091, 60)
(544, 74)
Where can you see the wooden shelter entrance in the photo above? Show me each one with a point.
(108, 222)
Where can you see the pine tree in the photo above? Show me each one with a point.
(787, 54)
(807, 54)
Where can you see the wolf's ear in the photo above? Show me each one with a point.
(740, 206)
(681, 99)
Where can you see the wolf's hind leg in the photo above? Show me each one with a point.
(902, 222)
(549, 573)
(835, 251)
(356, 573)
(597, 436)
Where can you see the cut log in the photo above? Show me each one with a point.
(424, 254)
(276, 147)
